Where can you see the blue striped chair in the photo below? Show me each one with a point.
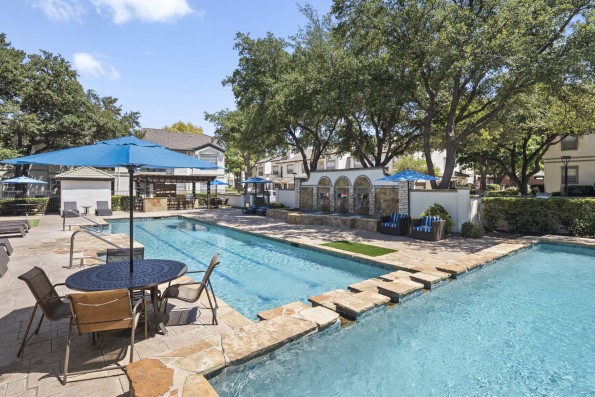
(431, 228)
(395, 224)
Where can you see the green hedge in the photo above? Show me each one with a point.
(7, 209)
(540, 216)
(438, 210)
(120, 203)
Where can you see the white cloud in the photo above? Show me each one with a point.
(94, 66)
(144, 10)
(61, 10)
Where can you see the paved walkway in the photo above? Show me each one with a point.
(47, 246)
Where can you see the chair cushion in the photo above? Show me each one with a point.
(426, 229)
(427, 221)
(389, 224)
(394, 217)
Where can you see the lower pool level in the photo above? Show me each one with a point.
(255, 273)
(524, 326)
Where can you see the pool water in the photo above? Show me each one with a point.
(522, 327)
(255, 273)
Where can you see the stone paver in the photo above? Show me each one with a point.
(400, 289)
(327, 299)
(285, 310)
(322, 316)
(149, 377)
(197, 385)
(355, 305)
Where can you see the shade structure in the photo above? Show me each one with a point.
(255, 180)
(129, 152)
(24, 180)
(408, 176)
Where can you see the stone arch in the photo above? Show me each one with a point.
(362, 187)
(342, 194)
(324, 194)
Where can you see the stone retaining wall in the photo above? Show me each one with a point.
(304, 218)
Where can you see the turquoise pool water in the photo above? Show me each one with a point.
(255, 273)
(522, 327)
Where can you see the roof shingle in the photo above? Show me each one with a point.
(85, 173)
(179, 140)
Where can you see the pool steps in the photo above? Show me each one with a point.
(246, 341)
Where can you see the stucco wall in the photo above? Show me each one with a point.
(456, 202)
(583, 157)
(85, 193)
(286, 197)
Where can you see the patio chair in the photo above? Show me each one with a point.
(12, 228)
(430, 228)
(103, 209)
(24, 222)
(225, 203)
(123, 254)
(70, 210)
(4, 242)
(262, 210)
(190, 292)
(4, 259)
(97, 312)
(395, 224)
(53, 306)
(214, 203)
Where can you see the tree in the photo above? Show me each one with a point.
(469, 59)
(43, 107)
(180, 126)
(412, 163)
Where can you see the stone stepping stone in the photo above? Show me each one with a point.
(326, 299)
(370, 285)
(285, 310)
(322, 316)
(197, 385)
(399, 289)
(432, 270)
(357, 304)
(399, 274)
(428, 280)
(455, 271)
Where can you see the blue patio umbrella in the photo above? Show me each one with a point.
(217, 182)
(129, 152)
(255, 180)
(24, 180)
(408, 176)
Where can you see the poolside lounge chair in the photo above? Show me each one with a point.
(395, 224)
(191, 292)
(4, 259)
(4, 242)
(12, 228)
(103, 209)
(24, 222)
(70, 210)
(52, 305)
(101, 311)
(430, 228)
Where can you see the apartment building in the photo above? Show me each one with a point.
(581, 163)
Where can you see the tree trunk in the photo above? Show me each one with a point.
(449, 166)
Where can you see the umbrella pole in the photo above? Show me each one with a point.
(131, 204)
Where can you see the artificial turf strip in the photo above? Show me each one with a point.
(359, 248)
(34, 222)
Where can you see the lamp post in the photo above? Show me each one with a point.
(565, 161)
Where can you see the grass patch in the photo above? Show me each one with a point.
(359, 248)
(34, 222)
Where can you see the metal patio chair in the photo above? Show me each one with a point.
(53, 306)
(190, 292)
(101, 311)
(103, 209)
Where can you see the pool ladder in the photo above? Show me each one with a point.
(91, 233)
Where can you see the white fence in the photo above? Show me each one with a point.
(456, 202)
(234, 199)
(287, 198)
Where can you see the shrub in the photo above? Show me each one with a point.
(277, 205)
(6, 207)
(438, 210)
(580, 190)
(511, 191)
(493, 186)
(539, 216)
(120, 203)
(471, 230)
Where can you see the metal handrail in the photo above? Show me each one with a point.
(89, 232)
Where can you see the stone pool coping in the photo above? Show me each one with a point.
(187, 369)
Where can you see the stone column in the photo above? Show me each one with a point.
(315, 197)
(296, 190)
(351, 199)
(403, 196)
(372, 200)
(332, 198)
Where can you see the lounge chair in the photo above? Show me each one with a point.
(24, 222)
(395, 224)
(249, 210)
(103, 209)
(101, 311)
(70, 210)
(12, 228)
(190, 292)
(430, 228)
(53, 306)
(4, 242)
(4, 259)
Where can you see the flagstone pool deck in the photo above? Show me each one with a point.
(175, 364)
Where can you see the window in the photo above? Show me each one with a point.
(303, 169)
(572, 175)
(260, 171)
(209, 158)
(570, 143)
(276, 170)
(348, 163)
(289, 169)
(330, 164)
(320, 165)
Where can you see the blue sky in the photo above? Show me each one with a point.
(163, 58)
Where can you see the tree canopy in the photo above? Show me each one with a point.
(180, 126)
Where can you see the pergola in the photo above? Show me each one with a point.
(161, 177)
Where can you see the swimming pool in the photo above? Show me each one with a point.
(523, 326)
(255, 273)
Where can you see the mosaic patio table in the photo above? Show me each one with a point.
(147, 274)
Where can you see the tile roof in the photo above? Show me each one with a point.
(179, 140)
(85, 173)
